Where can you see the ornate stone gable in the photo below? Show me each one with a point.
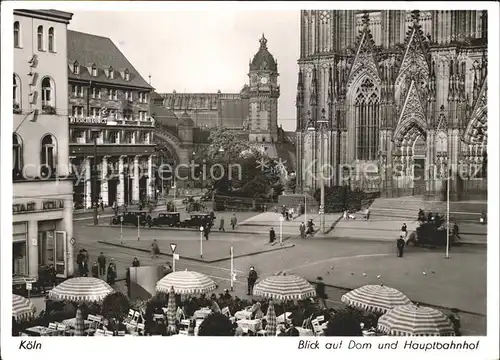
(412, 113)
(442, 123)
(415, 65)
(364, 59)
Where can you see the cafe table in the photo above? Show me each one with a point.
(252, 325)
(202, 313)
(41, 331)
(243, 315)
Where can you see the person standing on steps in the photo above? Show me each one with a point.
(252, 279)
(101, 260)
(404, 231)
(233, 221)
(155, 250)
(95, 270)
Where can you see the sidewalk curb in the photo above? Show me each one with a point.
(182, 229)
(420, 302)
(342, 238)
(285, 246)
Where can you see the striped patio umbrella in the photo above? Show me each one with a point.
(22, 308)
(79, 323)
(171, 310)
(81, 289)
(377, 298)
(272, 324)
(414, 320)
(186, 283)
(284, 287)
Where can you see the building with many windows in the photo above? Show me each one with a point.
(42, 188)
(109, 124)
(389, 100)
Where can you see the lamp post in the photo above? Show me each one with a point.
(201, 241)
(281, 230)
(445, 161)
(174, 187)
(322, 125)
(95, 198)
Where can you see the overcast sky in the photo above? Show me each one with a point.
(202, 51)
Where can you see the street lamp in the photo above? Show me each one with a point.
(322, 125)
(95, 198)
(446, 162)
(174, 187)
(201, 241)
(281, 229)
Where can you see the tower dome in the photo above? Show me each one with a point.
(263, 60)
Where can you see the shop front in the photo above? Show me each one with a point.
(42, 231)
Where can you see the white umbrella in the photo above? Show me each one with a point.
(377, 298)
(22, 307)
(186, 283)
(284, 287)
(413, 320)
(81, 289)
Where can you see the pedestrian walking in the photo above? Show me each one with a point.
(400, 245)
(302, 229)
(252, 279)
(155, 250)
(344, 214)
(404, 231)
(233, 221)
(455, 231)
(101, 202)
(272, 236)
(206, 231)
(367, 214)
(135, 263)
(95, 269)
(115, 208)
(101, 261)
(221, 225)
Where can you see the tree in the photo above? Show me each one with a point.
(344, 323)
(216, 324)
(115, 306)
(291, 183)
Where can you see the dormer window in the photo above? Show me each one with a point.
(94, 70)
(76, 68)
(127, 75)
(111, 73)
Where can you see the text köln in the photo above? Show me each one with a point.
(30, 345)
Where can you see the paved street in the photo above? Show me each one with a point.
(342, 263)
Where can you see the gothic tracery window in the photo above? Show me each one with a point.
(367, 119)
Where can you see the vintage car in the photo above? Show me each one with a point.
(132, 218)
(197, 220)
(167, 219)
(428, 234)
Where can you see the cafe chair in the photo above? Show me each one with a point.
(108, 333)
(52, 326)
(122, 333)
(130, 316)
(317, 329)
(262, 333)
(99, 332)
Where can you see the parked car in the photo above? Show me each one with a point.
(167, 219)
(188, 200)
(198, 220)
(207, 196)
(132, 218)
(428, 234)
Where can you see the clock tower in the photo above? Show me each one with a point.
(264, 92)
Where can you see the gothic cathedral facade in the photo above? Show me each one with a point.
(392, 100)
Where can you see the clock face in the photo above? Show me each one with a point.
(263, 80)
